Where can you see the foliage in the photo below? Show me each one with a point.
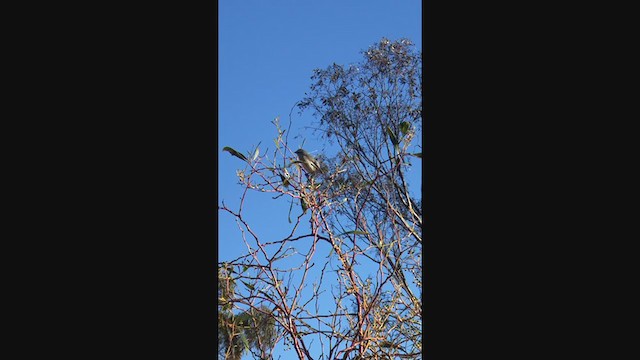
(361, 252)
(252, 330)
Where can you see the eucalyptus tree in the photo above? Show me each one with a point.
(362, 214)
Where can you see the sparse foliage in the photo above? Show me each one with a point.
(347, 284)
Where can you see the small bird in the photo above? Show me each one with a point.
(309, 163)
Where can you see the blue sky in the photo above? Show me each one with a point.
(267, 51)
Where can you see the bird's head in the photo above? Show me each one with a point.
(301, 153)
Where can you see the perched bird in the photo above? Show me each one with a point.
(309, 163)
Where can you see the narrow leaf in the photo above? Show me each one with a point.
(235, 153)
(392, 136)
(388, 344)
(249, 286)
(418, 155)
(355, 232)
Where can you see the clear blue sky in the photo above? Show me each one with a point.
(267, 51)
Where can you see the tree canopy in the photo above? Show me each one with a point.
(345, 279)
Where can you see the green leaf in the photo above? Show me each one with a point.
(249, 286)
(304, 205)
(388, 344)
(255, 154)
(245, 342)
(244, 268)
(418, 155)
(392, 136)
(404, 127)
(235, 153)
(285, 181)
(355, 232)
